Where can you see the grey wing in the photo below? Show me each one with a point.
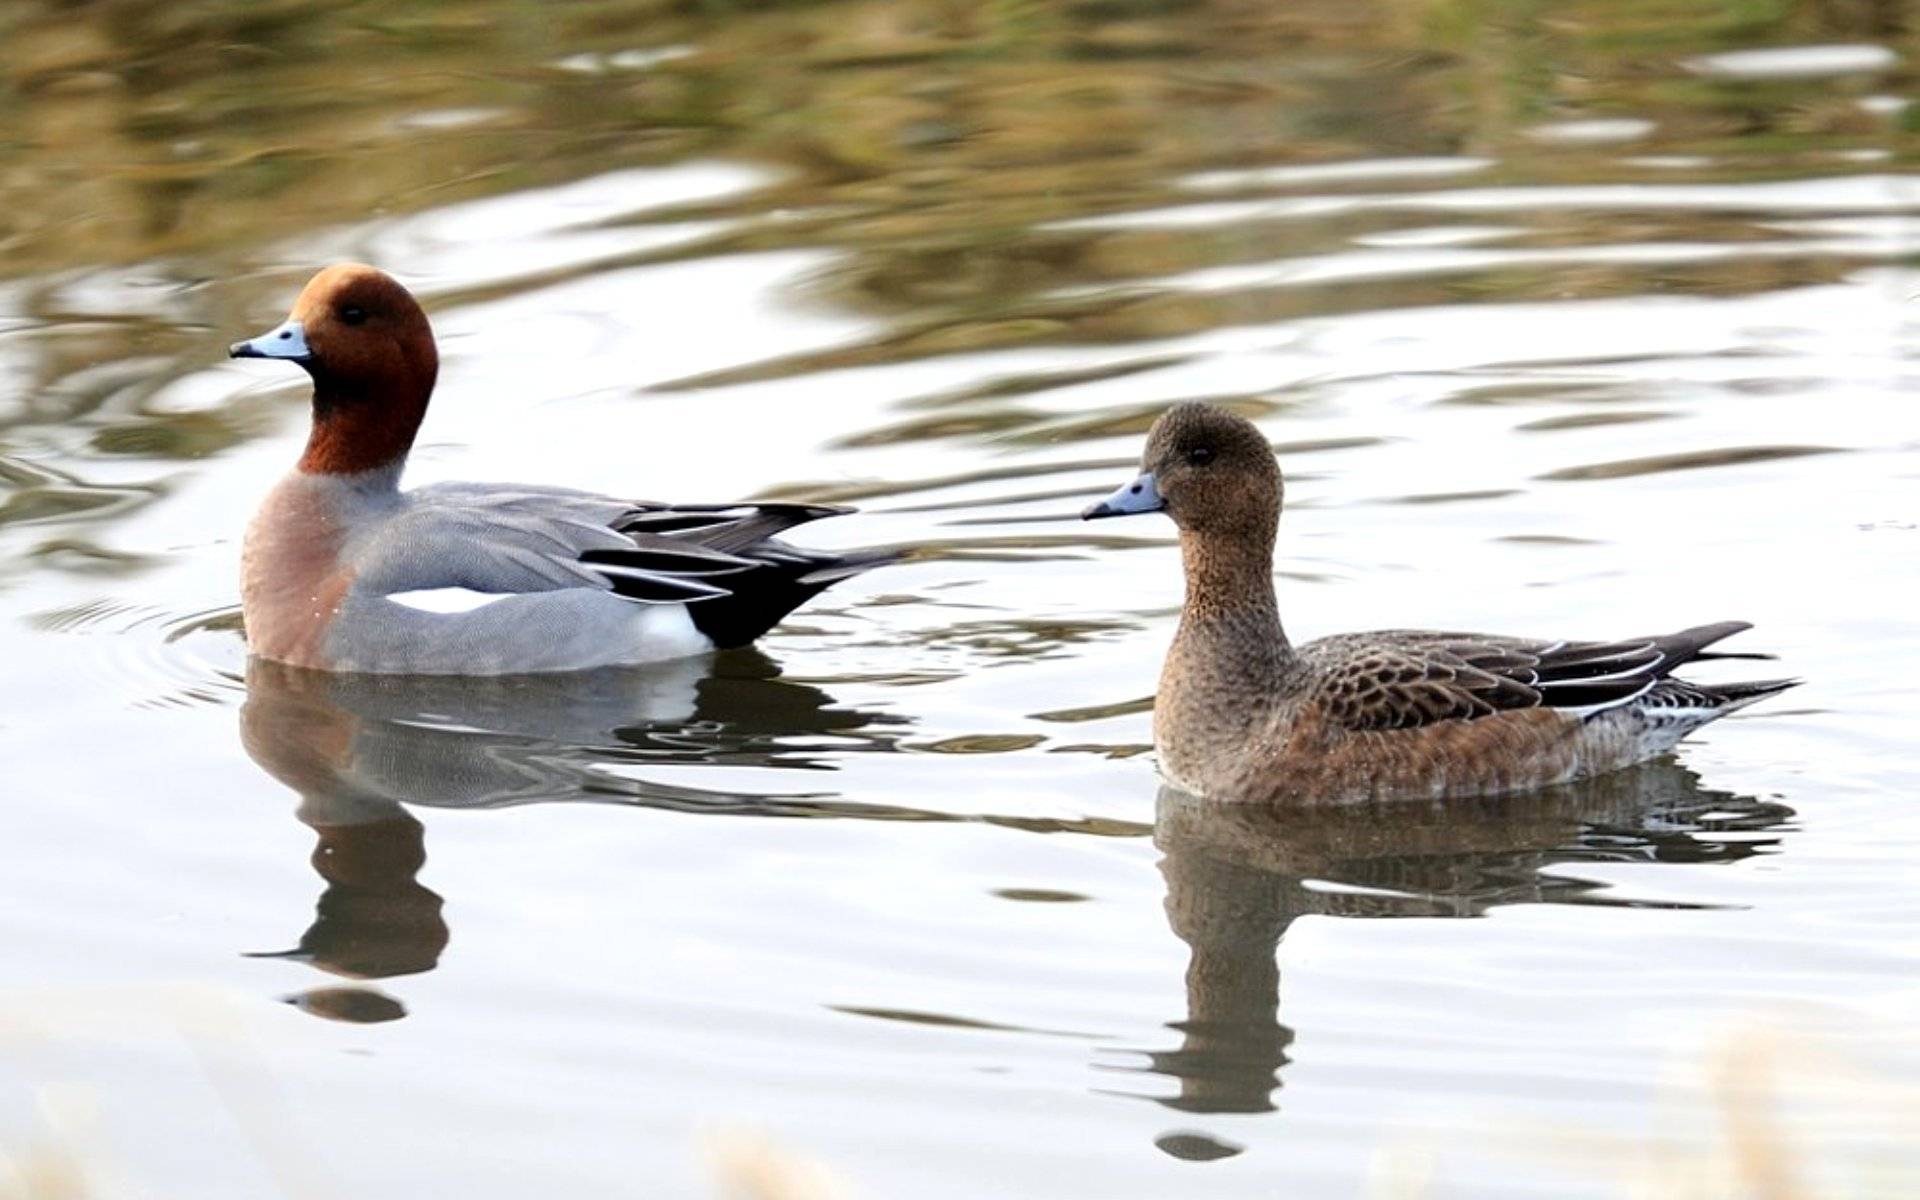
(728, 528)
(1403, 679)
(513, 540)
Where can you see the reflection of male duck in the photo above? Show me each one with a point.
(1238, 875)
(358, 748)
(375, 919)
(346, 742)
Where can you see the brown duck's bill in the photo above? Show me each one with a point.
(287, 340)
(1139, 496)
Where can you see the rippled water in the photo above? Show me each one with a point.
(1585, 326)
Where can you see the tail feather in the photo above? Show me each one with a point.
(1635, 677)
(765, 595)
(1735, 696)
(1714, 699)
(853, 562)
(746, 578)
(1718, 699)
(1688, 644)
(1695, 704)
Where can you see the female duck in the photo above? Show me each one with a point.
(343, 571)
(1244, 714)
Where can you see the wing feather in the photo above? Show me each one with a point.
(725, 560)
(1405, 679)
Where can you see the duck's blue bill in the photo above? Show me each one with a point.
(286, 340)
(1140, 496)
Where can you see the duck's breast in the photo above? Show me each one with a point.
(294, 578)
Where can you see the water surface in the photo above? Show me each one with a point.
(1588, 325)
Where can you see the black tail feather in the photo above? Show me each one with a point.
(853, 562)
(758, 599)
(727, 564)
(1747, 691)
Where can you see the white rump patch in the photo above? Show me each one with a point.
(447, 599)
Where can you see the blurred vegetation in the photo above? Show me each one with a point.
(137, 129)
(164, 162)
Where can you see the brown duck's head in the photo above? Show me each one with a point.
(1208, 469)
(370, 350)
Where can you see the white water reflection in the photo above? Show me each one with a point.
(1596, 132)
(1321, 174)
(1891, 240)
(540, 232)
(1857, 193)
(1797, 62)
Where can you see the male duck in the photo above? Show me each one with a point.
(343, 571)
(1244, 714)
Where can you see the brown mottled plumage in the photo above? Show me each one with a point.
(1244, 714)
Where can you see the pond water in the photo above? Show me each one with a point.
(1588, 322)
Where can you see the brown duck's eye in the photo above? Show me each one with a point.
(353, 315)
(1200, 456)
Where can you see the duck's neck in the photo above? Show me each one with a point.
(1230, 658)
(359, 428)
(1230, 593)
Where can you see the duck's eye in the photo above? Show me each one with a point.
(1200, 456)
(353, 315)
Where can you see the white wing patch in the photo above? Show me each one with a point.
(447, 599)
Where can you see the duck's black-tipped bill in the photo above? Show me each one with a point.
(287, 340)
(1140, 496)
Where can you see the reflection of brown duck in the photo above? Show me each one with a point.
(1238, 875)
